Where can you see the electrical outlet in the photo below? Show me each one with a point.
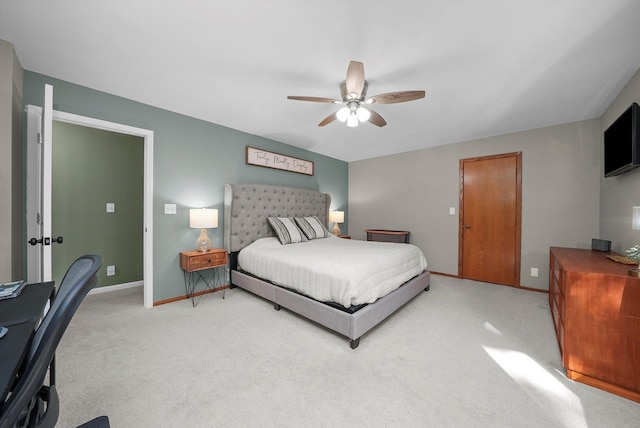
(111, 207)
(111, 270)
(534, 272)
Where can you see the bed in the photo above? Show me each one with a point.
(247, 208)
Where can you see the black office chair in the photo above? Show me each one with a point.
(31, 403)
(76, 273)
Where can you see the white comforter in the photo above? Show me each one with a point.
(344, 271)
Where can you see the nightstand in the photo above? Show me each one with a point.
(195, 265)
(344, 236)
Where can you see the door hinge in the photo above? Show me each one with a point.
(38, 138)
(38, 218)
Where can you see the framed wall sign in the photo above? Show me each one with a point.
(268, 159)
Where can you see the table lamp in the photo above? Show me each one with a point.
(203, 219)
(336, 217)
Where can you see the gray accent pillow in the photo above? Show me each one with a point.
(286, 230)
(312, 227)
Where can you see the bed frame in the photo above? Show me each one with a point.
(246, 208)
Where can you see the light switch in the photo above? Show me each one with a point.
(452, 210)
(111, 207)
(170, 208)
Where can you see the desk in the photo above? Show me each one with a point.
(26, 311)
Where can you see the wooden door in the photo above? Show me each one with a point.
(490, 215)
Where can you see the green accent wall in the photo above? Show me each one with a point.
(193, 159)
(93, 167)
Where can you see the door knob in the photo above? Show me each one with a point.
(34, 241)
(47, 241)
(467, 226)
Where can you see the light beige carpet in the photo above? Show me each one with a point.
(464, 354)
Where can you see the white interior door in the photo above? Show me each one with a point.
(39, 187)
(39, 164)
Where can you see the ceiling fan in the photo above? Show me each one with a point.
(354, 97)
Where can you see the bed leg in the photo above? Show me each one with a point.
(427, 287)
(276, 306)
(354, 343)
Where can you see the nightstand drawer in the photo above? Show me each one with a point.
(194, 260)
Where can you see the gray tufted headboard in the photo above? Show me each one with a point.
(247, 206)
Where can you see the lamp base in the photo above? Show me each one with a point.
(336, 229)
(203, 243)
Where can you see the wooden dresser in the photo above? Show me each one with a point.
(595, 306)
(401, 236)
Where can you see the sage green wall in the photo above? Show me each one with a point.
(414, 191)
(90, 168)
(620, 194)
(193, 159)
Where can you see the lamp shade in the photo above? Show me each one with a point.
(343, 114)
(203, 218)
(336, 217)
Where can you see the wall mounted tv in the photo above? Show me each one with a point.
(622, 143)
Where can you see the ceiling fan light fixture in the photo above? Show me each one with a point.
(352, 121)
(353, 91)
(343, 114)
(363, 114)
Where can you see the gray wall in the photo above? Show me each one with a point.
(620, 194)
(11, 225)
(193, 160)
(414, 191)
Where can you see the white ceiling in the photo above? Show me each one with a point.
(488, 67)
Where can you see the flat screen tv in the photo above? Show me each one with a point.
(622, 143)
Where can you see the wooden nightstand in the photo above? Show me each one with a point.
(195, 263)
(344, 236)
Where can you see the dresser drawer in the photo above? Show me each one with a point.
(194, 260)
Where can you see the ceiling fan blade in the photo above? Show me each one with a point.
(328, 120)
(314, 99)
(376, 119)
(355, 78)
(395, 97)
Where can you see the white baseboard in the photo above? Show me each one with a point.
(116, 287)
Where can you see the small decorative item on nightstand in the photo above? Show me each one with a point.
(336, 217)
